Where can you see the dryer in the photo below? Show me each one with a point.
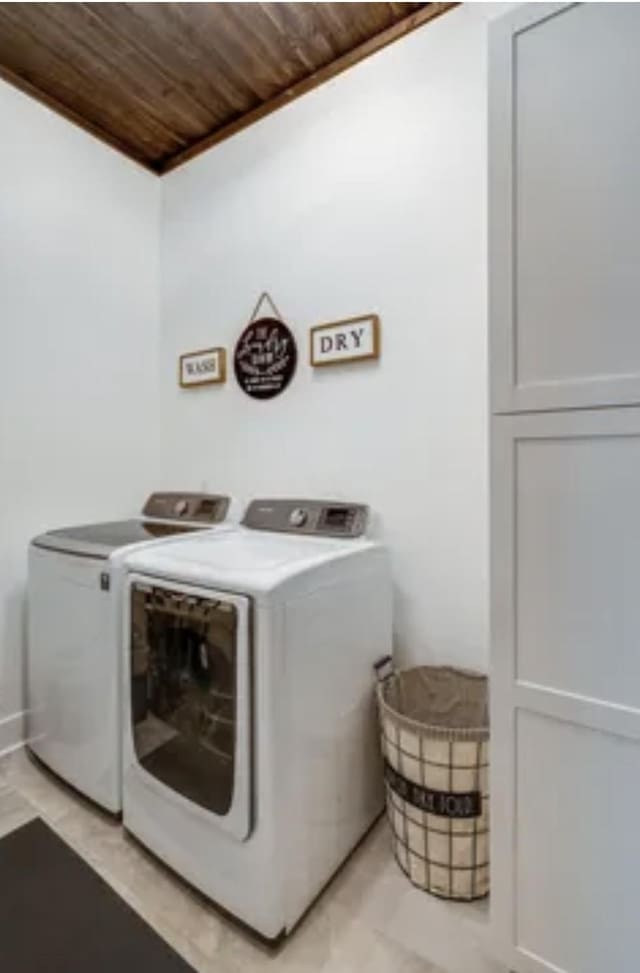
(252, 767)
(74, 722)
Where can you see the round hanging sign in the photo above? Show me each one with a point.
(265, 358)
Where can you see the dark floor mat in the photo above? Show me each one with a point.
(58, 916)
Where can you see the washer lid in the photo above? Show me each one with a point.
(100, 540)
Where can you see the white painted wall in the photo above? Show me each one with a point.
(366, 195)
(78, 347)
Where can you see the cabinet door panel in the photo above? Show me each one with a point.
(565, 194)
(578, 848)
(565, 679)
(577, 535)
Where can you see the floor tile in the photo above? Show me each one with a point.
(348, 930)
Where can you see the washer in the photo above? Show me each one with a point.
(74, 709)
(250, 750)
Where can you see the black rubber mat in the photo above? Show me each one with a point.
(58, 916)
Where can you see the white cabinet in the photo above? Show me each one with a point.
(565, 486)
(566, 690)
(565, 206)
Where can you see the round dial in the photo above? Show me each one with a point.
(298, 517)
(180, 507)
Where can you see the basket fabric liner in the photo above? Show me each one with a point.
(440, 699)
(435, 731)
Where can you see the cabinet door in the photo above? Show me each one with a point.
(564, 163)
(566, 690)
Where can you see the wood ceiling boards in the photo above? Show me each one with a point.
(162, 82)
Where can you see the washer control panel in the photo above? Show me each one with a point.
(199, 508)
(324, 518)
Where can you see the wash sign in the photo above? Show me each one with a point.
(355, 339)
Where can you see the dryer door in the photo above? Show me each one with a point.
(190, 695)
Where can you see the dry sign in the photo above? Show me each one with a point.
(355, 339)
(206, 367)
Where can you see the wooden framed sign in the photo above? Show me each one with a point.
(355, 339)
(206, 367)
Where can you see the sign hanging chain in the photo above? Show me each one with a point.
(265, 296)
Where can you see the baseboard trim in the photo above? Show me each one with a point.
(12, 732)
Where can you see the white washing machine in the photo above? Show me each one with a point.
(74, 707)
(250, 751)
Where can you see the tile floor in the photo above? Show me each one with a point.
(356, 924)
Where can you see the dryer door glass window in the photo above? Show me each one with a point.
(183, 692)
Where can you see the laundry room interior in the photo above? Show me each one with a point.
(319, 438)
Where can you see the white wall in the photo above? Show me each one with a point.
(366, 195)
(78, 347)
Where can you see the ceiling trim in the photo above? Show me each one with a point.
(364, 50)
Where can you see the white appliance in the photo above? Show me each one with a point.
(251, 762)
(74, 707)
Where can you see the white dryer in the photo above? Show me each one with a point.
(250, 752)
(74, 707)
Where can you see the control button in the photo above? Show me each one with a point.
(180, 508)
(298, 517)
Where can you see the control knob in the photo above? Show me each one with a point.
(298, 517)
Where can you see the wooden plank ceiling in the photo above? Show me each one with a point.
(164, 81)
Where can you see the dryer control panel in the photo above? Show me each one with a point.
(323, 518)
(199, 508)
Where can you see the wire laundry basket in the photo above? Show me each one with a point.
(434, 724)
